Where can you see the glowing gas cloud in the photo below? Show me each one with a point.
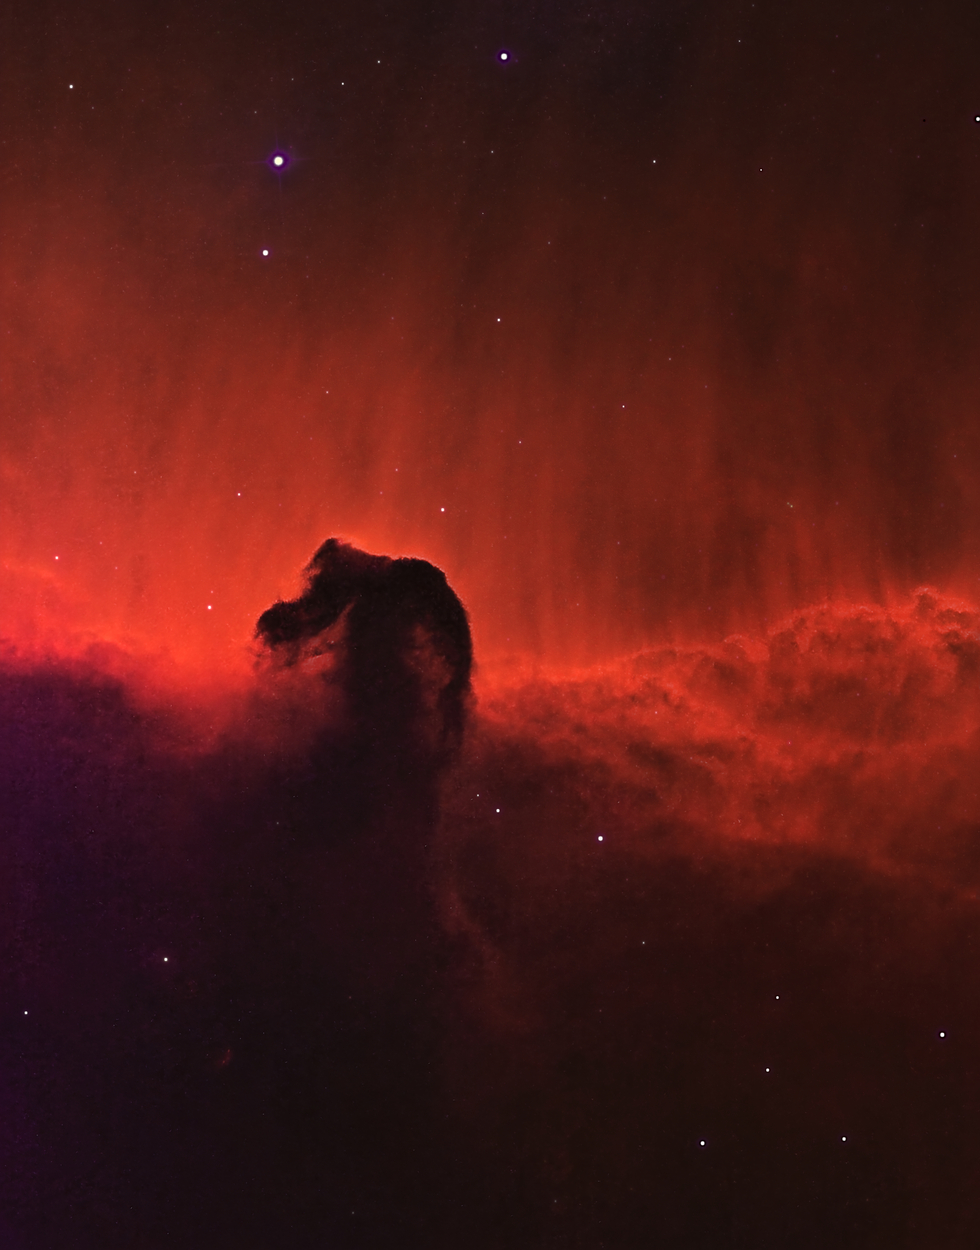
(661, 328)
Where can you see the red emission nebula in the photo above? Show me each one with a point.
(638, 904)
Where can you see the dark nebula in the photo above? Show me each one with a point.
(405, 648)
(681, 953)
(234, 957)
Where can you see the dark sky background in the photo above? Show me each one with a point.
(658, 337)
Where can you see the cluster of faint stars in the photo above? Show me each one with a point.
(279, 161)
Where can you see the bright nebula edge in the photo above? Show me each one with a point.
(655, 335)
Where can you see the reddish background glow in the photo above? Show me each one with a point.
(731, 253)
(658, 338)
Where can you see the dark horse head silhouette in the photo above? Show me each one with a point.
(400, 646)
(393, 640)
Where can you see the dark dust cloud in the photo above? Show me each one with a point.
(648, 917)
(682, 952)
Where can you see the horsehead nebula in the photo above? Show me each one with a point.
(404, 639)
(580, 846)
